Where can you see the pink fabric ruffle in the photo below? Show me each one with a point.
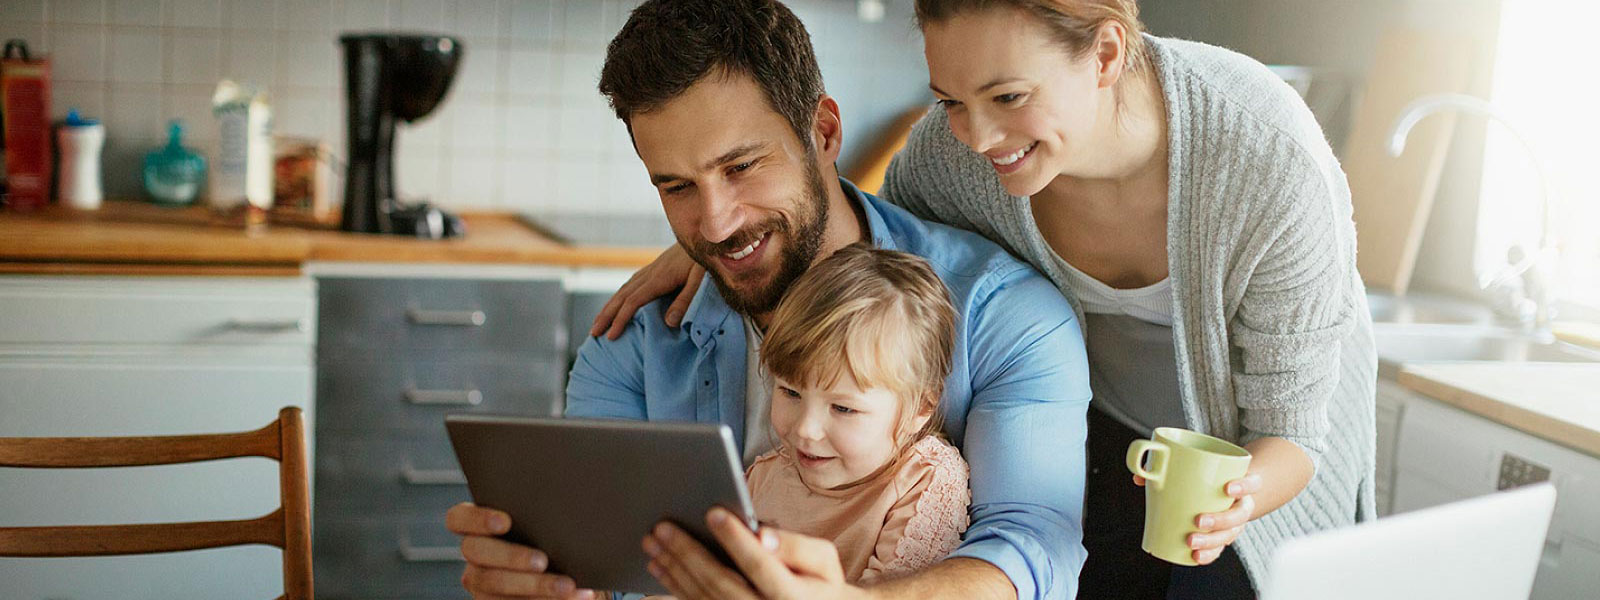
(941, 512)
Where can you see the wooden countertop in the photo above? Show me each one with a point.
(139, 238)
(1559, 402)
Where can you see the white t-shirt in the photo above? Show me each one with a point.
(1133, 368)
(757, 397)
(1151, 303)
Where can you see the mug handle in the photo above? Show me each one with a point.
(1136, 452)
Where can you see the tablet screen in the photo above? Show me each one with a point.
(587, 491)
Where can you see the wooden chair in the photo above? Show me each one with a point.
(288, 527)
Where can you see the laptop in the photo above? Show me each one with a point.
(1484, 548)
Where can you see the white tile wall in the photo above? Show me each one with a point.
(192, 13)
(522, 127)
(136, 12)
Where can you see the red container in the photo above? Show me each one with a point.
(25, 107)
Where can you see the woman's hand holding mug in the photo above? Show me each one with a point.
(1199, 494)
(1218, 530)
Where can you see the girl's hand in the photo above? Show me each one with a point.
(672, 271)
(1217, 530)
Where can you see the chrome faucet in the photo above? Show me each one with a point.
(1530, 267)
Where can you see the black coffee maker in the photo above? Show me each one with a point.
(391, 76)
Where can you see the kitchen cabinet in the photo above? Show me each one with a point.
(1391, 404)
(117, 356)
(1446, 454)
(138, 319)
(397, 353)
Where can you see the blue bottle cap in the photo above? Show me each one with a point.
(76, 120)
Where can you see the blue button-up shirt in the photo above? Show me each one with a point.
(1014, 404)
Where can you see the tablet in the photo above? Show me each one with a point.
(587, 491)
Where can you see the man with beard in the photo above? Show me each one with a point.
(726, 108)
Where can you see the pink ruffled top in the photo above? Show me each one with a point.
(901, 520)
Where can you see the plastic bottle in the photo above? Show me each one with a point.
(79, 141)
(173, 174)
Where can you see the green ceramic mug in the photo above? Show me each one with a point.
(1187, 475)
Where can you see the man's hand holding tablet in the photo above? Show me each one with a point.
(500, 569)
(585, 493)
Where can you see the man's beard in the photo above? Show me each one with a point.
(802, 239)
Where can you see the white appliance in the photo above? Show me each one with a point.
(1485, 548)
(1445, 454)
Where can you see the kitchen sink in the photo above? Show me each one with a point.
(1399, 344)
(1426, 308)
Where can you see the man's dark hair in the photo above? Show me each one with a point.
(668, 45)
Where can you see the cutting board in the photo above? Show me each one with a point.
(869, 169)
(1392, 196)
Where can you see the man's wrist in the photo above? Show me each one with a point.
(959, 577)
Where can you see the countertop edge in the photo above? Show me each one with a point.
(134, 238)
(1532, 422)
(159, 269)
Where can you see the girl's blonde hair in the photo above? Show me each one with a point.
(881, 317)
(1075, 24)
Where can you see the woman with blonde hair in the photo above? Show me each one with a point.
(1185, 200)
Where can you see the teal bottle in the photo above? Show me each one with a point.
(173, 175)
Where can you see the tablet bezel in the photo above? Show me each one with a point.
(627, 476)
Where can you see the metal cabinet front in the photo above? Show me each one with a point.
(415, 396)
(392, 318)
(387, 557)
(395, 356)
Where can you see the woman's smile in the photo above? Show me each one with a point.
(1010, 162)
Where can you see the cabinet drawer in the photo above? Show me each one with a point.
(366, 318)
(1449, 446)
(415, 396)
(403, 475)
(243, 572)
(195, 392)
(108, 310)
(374, 558)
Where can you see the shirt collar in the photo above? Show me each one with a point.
(877, 228)
(708, 311)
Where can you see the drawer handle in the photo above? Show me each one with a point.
(412, 553)
(456, 318)
(450, 397)
(270, 325)
(414, 476)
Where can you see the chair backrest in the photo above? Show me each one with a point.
(288, 527)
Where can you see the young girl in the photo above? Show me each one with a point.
(858, 351)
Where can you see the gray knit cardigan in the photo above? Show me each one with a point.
(1270, 325)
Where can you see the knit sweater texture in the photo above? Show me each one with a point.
(1271, 330)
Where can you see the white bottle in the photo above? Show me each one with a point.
(79, 141)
